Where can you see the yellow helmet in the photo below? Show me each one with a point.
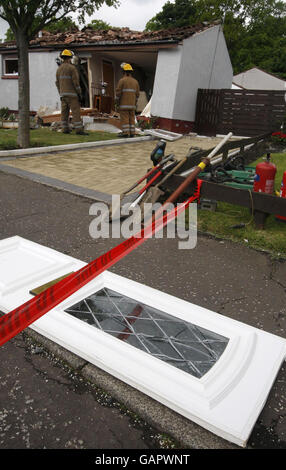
(126, 67)
(66, 53)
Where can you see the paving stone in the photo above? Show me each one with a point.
(110, 169)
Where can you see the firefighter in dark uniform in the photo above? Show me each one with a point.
(67, 82)
(127, 94)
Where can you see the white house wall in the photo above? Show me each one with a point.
(8, 92)
(43, 68)
(201, 62)
(44, 92)
(166, 80)
(222, 74)
(205, 64)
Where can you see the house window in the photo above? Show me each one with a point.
(10, 67)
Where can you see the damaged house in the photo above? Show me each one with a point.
(170, 66)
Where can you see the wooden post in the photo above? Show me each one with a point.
(260, 219)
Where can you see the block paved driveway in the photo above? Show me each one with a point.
(108, 169)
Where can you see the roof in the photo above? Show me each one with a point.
(259, 70)
(113, 36)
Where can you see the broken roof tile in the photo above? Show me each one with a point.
(115, 36)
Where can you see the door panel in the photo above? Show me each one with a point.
(207, 367)
(108, 77)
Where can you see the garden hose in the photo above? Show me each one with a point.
(243, 225)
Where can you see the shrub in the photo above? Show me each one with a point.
(279, 137)
(148, 123)
(4, 113)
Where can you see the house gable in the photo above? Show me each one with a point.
(258, 79)
(200, 61)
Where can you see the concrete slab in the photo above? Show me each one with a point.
(94, 126)
(62, 148)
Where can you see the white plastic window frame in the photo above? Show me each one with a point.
(4, 60)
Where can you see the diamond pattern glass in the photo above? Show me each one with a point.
(179, 343)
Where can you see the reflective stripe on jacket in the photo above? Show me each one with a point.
(67, 80)
(127, 92)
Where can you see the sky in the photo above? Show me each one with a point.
(132, 13)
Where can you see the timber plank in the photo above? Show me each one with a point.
(261, 202)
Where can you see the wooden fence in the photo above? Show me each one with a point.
(242, 112)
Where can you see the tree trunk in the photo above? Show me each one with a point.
(23, 90)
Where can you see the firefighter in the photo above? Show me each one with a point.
(127, 94)
(67, 82)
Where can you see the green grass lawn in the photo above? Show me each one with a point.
(219, 223)
(44, 137)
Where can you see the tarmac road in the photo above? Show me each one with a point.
(50, 399)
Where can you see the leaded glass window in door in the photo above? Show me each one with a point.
(179, 343)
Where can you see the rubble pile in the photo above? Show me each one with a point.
(97, 116)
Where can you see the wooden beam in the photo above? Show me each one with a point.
(261, 202)
(260, 147)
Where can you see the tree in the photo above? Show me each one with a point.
(9, 36)
(173, 15)
(264, 46)
(98, 25)
(254, 29)
(58, 26)
(187, 12)
(61, 26)
(26, 19)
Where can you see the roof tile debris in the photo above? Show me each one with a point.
(115, 36)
